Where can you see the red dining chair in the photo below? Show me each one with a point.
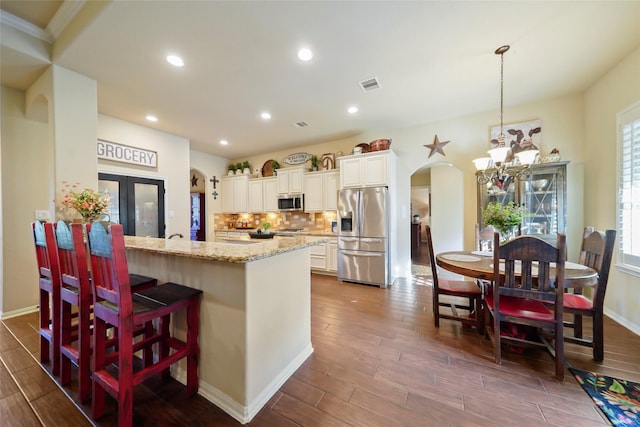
(49, 296)
(519, 294)
(597, 251)
(456, 290)
(115, 304)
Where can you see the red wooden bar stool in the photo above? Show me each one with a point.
(77, 303)
(114, 304)
(49, 284)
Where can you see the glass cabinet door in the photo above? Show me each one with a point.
(543, 196)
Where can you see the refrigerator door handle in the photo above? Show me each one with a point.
(363, 254)
(360, 213)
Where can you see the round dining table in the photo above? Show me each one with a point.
(479, 265)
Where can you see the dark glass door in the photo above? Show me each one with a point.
(136, 203)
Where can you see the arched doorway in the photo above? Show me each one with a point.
(445, 212)
(198, 208)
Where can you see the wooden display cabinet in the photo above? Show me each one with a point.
(543, 195)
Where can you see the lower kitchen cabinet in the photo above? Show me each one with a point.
(324, 258)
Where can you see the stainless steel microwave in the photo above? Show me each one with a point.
(291, 202)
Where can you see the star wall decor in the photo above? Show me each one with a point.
(437, 146)
(194, 181)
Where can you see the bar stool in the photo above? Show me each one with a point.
(77, 303)
(114, 304)
(49, 285)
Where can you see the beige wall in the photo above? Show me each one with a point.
(173, 166)
(615, 91)
(210, 166)
(26, 164)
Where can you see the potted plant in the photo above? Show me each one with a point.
(239, 168)
(246, 167)
(231, 169)
(265, 226)
(315, 162)
(275, 166)
(504, 218)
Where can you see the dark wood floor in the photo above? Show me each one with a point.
(378, 361)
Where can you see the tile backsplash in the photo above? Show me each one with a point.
(316, 222)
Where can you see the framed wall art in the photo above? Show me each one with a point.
(519, 136)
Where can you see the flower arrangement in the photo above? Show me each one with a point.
(90, 204)
(503, 217)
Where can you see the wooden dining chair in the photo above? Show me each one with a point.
(484, 238)
(596, 252)
(49, 294)
(522, 284)
(115, 304)
(462, 294)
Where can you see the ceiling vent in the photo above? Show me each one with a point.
(301, 124)
(369, 84)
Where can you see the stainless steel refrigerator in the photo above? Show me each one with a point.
(363, 236)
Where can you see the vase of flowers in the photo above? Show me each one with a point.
(504, 218)
(90, 204)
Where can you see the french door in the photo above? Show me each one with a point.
(136, 203)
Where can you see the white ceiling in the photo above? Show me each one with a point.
(434, 60)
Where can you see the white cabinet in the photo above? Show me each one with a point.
(319, 257)
(290, 180)
(330, 187)
(313, 192)
(332, 255)
(367, 170)
(263, 195)
(324, 257)
(234, 193)
(321, 191)
(256, 196)
(270, 194)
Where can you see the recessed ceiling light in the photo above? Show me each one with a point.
(151, 118)
(352, 110)
(224, 142)
(265, 115)
(305, 54)
(175, 60)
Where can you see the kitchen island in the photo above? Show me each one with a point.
(255, 315)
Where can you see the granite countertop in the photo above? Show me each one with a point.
(236, 250)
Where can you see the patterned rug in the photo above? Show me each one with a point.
(618, 399)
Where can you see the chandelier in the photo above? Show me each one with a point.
(495, 168)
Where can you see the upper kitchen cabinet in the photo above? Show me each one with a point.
(270, 194)
(263, 195)
(321, 191)
(235, 190)
(543, 195)
(290, 180)
(367, 170)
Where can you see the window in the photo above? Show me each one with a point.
(629, 189)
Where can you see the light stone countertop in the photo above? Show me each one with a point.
(236, 250)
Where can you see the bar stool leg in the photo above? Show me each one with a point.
(193, 325)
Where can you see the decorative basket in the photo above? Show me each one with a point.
(380, 144)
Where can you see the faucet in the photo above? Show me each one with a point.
(176, 234)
